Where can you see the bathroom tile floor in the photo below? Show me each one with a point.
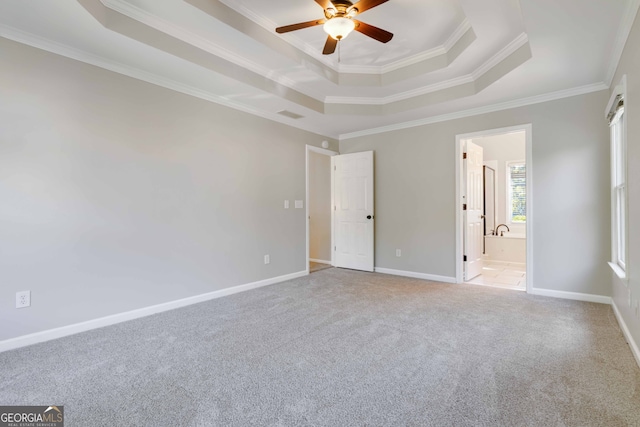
(508, 275)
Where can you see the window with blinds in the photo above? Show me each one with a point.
(618, 184)
(517, 192)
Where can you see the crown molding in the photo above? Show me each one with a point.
(538, 99)
(400, 96)
(435, 52)
(457, 34)
(621, 39)
(153, 21)
(501, 55)
(495, 60)
(41, 43)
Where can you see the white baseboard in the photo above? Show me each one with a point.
(320, 261)
(64, 331)
(627, 335)
(415, 275)
(571, 295)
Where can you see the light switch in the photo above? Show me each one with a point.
(286, 204)
(298, 204)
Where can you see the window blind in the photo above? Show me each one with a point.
(518, 192)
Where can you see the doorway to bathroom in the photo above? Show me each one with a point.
(493, 215)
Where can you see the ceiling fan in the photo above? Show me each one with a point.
(339, 22)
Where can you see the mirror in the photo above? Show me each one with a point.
(489, 199)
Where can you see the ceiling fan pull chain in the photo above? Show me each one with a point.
(339, 51)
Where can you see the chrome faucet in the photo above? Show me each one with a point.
(502, 232)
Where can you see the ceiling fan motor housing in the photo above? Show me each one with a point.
(343, 9)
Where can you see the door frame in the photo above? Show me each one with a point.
(527, 128)
(325, 152)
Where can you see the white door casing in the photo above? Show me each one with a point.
(353, 210)
(473, 199)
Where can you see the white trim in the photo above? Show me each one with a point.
(567, 93)
(602, 299)
(426, 55)
(325, 152)
(424, 276)
(136, 13)
(501, 55)
(528, 130)
(621, 39)
(400, 96)
(622, 275)
(32, 40)
(322, 150)
(457, 34)
(320, 261)
(619, 269)
(496, 59)
(76, 328)
(627, 334)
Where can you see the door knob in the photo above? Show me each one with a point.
(368, 216)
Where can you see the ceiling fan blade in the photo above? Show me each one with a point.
(325, 4)
(363, 5)
(300, 26)
(373, 32)
(330, 46)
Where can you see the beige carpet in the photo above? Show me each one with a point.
(342, 348)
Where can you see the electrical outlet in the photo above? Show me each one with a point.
(267, 260)
(286, 204)
(299, 204)
(398, 253)
(23, 299)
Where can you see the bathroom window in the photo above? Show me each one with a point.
(517, 192)
(618, 182)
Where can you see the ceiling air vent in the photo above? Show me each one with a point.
(290, 114)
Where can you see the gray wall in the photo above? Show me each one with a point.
(630, 65)
(117, 194)
(319, 206)
(415, 191)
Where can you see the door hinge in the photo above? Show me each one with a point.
(464, 207)
(335, 209)
(464, 156)
(334, 168)
(464, 258)
(335, 248)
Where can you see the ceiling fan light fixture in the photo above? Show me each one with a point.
(339, 27)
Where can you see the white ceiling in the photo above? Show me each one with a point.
(447, 58)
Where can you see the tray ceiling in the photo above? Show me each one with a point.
(446, 56)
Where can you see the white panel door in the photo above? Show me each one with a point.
(353, 209)
(473, 199)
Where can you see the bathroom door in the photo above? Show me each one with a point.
(353, 210)
(473, 207)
